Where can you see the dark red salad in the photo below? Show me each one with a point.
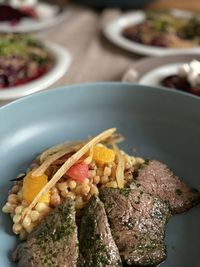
(22, 59)
(14, 15)
(187, 79)
(163, 29)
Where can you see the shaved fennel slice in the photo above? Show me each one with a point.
(120, 166)
(51, 159)
(70, 161)
(54, 149)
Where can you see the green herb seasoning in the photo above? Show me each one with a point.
(96, 245)
(125, 192)
(179, 192)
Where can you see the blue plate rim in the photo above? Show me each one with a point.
(51, 91)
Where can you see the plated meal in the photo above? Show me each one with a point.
(29, 15)
(28, 65)
(22, 59)
(156, 32)
(163, 29)
(186, 79)
(181, 72)
(118, 203)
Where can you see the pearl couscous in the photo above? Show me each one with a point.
(97, 168)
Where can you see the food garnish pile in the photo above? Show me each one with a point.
(163, 29)
(22, 59)
(119, 204)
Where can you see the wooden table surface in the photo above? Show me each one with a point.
(95, 58)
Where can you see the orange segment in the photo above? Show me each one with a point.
(32, 186)
(102, 154)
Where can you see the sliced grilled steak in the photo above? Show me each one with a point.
(137, 222)
(53, 243)
(156, 178)
(96, 245)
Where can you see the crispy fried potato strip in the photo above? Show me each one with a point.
(54, 149)
(115, 138)
(69, 162)
(120, 166)
(45, 165)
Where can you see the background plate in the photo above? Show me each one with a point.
(49, 15)
(158, 123)
(62, 62)
(150, 71)
(113, 30)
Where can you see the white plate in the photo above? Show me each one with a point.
(151, 70)
(113, 31)
(49, 15)
(62, 62)
(154, 77)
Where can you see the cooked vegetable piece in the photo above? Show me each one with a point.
(120, 167)
(32, 186)
(65, 167)
(102, 154)
(78, 171)
(51, 159)
(54, 149)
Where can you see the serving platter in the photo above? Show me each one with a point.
(154, 127)
(62, 60)
(48, 15)
(113, 31)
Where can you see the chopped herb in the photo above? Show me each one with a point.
(125, 192)
(129, 224)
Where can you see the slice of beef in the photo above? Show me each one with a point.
(53, 243)
(157, 179)
(137, 222)
(96, 245)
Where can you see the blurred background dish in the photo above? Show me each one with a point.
(169, 71)
(27, 65)
(166, 32)
(167, 29)
(27, 18)
(22, 59)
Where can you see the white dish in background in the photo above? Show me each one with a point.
(151, 70)
(113, 31)
(62, 62)
(49, 15)
(155, 76)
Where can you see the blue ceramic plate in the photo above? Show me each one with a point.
(158, 123)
